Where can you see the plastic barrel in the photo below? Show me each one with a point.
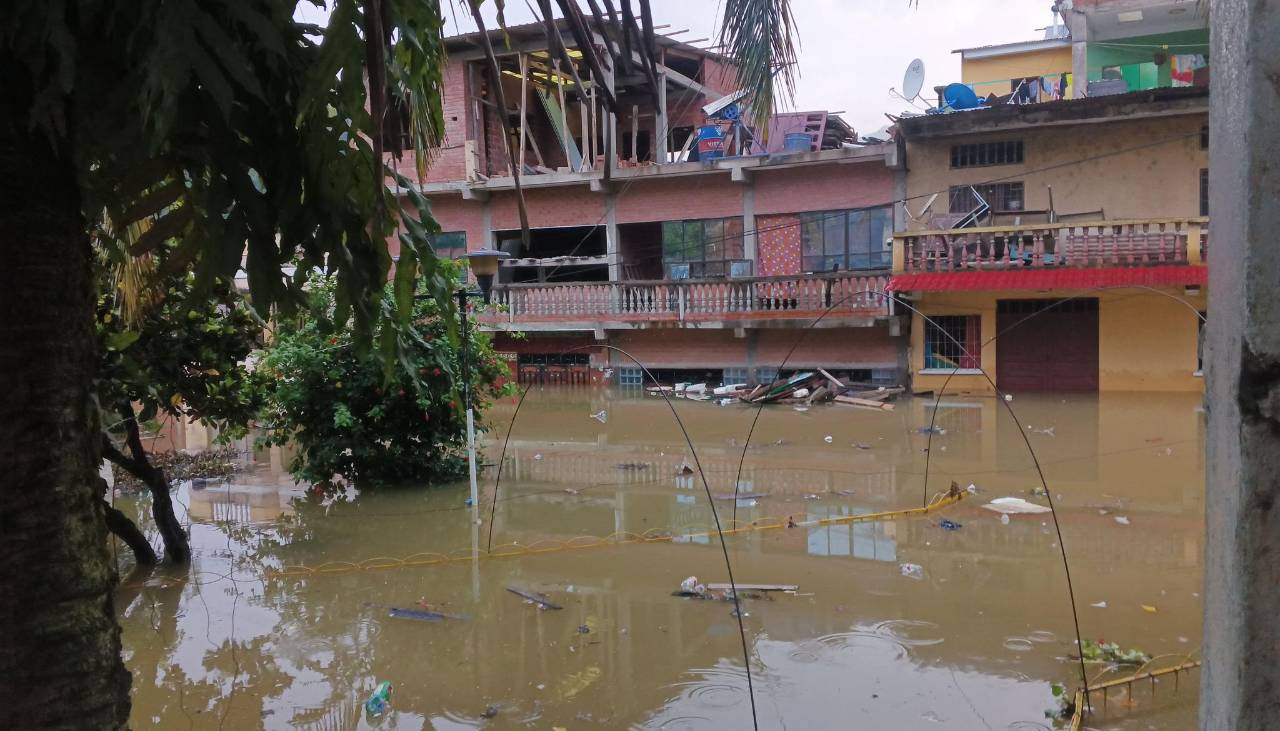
(710, 142)
(797, 142)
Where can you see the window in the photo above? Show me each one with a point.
(953, 341)
(1200, 323)
(1000, 196)
(702, 248)
(982, 154)
(837, 240)
(1204, 137)
(628, 376)
(1204, 191)
(451, 245)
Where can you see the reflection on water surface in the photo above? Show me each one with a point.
(976, 642)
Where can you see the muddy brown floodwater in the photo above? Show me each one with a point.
(976, 641)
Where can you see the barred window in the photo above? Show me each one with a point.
(1002, 197)
(983, 154)
(628, 376)
(953, 341)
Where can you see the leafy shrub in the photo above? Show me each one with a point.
(362, 417)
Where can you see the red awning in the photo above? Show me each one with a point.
(1064, 278)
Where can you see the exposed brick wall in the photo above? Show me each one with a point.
(449, 161)
(719, 76)
(778, 245)
(823, 187)
(704, 196)
(848, 347)
(862, 347)
(560, 206)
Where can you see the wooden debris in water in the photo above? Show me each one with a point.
(540, 599)
(753, 587)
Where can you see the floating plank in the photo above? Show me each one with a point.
(867, 403)
(742, 496)
(836, 382)
(753, 587)
(419, 614)
(539, 599)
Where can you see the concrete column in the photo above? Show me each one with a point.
(487, 224)
(1079, 27)
(749, 223)
(1241, 674)
(611, 236)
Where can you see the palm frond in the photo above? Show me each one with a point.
(761, 39)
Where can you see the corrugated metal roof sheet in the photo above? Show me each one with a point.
(1158, 276)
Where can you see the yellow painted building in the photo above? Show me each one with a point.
(989, 69)
(1086, 268)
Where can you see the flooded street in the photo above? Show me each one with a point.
(974, 639)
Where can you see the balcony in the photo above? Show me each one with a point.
(1077, 245)
(841, 298)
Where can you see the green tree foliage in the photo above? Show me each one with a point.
(165, 353)
(336, 407)
(178, 353)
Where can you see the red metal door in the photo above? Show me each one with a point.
(1047, 345)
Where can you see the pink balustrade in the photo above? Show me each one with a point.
(1043, 246)
(676, 301)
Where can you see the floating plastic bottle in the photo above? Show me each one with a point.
(378, 702)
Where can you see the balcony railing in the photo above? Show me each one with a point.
(693, 301)
(1077, 245)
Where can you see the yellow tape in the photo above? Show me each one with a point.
(577, 543)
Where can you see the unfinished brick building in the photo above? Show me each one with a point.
(669, 229)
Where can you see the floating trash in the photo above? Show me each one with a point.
(912, 570)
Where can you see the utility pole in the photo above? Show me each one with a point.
(1240, 686)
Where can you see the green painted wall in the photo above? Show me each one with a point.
(1136, 54)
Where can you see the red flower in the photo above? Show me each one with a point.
(402, 393)
(429, 338)
(333, 341)
(435, 371)
(453, 405)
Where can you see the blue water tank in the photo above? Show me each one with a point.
(797, 142)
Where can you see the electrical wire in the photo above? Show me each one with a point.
(715, 515)
(818, 217)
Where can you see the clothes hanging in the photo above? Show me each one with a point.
(1182, 67)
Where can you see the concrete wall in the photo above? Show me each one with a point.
(1157, 181)
(1146, 341)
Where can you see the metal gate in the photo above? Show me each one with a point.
(1047, 345)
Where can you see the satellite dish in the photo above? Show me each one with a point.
(913, 80)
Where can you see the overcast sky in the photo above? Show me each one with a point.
(851, 51)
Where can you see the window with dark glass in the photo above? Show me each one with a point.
(710, 247)
(1002, 197)
(1204, 191)
(451, 245)
(984, 154)
(838, 240)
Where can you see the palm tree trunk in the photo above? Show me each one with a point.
(60, 664)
